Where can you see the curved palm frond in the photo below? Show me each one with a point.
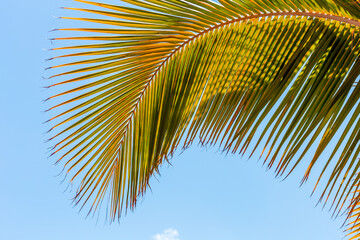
(167, 71)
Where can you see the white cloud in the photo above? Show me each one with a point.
(168, 234)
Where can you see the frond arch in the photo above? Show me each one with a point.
(167, 71)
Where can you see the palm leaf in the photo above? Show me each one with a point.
(161, 73)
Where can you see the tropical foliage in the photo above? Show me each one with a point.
(158, 74)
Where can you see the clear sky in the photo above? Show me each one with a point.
(203, 195)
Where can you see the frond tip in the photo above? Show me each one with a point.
(161, 73)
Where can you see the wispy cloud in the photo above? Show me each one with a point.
(168, 234)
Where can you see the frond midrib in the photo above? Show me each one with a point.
(239, 19)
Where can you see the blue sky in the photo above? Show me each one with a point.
(203, 195)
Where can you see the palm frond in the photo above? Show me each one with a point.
(167, 71)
